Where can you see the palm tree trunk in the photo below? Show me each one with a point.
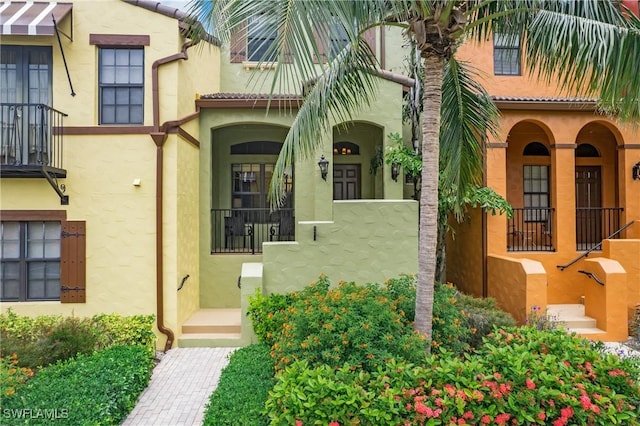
(432, 98)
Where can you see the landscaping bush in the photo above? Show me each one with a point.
(12, 376)
(360, 325)
(267, 315)
(450, 330)
(242, 389)
(44, 340)
(91, 389)
(520, 376)
(482, 315)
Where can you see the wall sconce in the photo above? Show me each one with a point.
(324, 167)
(395, 171)
(635, 171)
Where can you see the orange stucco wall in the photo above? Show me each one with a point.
(464, 254)
(517, 285)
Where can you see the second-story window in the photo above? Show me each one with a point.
(506, 54)
(121, 85)
(259, 40)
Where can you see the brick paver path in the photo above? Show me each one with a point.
(180, 387)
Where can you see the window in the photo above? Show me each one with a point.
(30, 260)
(506, 54)
(536, 193)
(250, 185)
(259, 40)
(121, 85)
(338, 39)
(42, 257)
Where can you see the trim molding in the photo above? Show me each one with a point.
(564, 146)
(107, 130)
(629, 146)
(497, 145)
(248, 103)
(186, 136)
(20, 215)
(119, 40)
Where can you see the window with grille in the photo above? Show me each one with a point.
(259, 40)
(506, 54)
(121, 85)
(536, 193)
(30, 253)
(250, 185)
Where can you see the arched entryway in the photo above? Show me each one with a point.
(596, 185)
(529, 188)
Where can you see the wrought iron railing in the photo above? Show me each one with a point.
(30, 135)
(593, 224)
(244, 230)
(530, 229)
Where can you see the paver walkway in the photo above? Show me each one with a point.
(180, 387)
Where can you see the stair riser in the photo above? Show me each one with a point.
(231, 342)
(582, 323)
(201, 328)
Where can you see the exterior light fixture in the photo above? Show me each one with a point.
(324, 167)
(635, 171)
(395, 171)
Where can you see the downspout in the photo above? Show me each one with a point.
(159, 137)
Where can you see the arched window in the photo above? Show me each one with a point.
(587, 150)
(346, 148)
(536, 148)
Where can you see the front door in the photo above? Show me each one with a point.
(588, 206)
(346, 181)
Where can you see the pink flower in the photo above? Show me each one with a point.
(541, 416)
(421, 408)
(530, 384)
(502, 419)
(566, 412)
(595, 408)
(468, 415)
(585, 402)
(334, 424)
(485, 420)
(298, 422)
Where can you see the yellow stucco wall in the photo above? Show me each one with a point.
(120, 217)
(464, 253)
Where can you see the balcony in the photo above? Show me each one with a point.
(30, 140)
(594, 224)
(244, 230)
(31, 143)
(530, 230)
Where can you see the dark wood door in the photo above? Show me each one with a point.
(346, 181)
(588, 206)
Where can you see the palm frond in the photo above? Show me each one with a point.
(468, 115)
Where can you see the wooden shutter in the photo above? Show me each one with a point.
(72, 262)
(370, 37)
(238, 44)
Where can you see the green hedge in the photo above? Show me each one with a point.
(242, 390)
(520, 376)
(44, 340)
(97, 389)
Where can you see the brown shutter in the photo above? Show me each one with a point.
(238, 44)
(72, 262)
(370, 37)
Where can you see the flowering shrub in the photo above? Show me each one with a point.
(11, 375)
(519, 376)
(541, 320)
(482, 315)
(360, 325)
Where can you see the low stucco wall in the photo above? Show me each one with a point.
(517, 285)
(367, 241)
(464, 253)
(605, 302)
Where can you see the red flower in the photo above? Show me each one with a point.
(541, 416)
(530, 384)
(468, 415)
(585, 402)
(298, 422)
(334, 424)
(485, 419)
(566, 412)
(421, 408)
(502, 419)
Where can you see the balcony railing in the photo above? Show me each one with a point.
(593, 224)
(30, 136)
(530, 230)
(244, 230)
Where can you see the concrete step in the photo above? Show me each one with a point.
(213, 321)
(572, 318)
(210, 340)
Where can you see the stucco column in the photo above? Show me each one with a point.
(628, 157)
(496, 178)
(392, 190)
(563, 196)
(323, 189)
